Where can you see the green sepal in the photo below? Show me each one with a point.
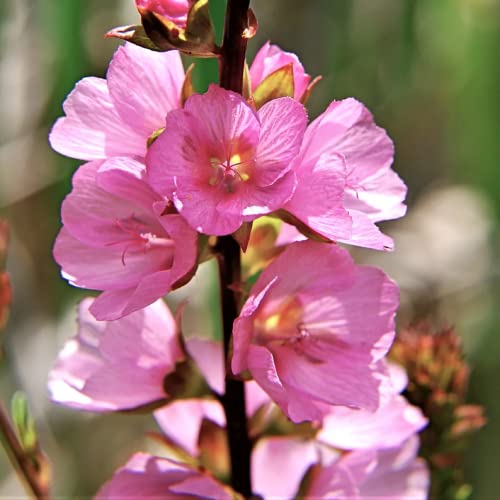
(279, 83)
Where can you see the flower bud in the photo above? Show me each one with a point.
(175, 11)
(438, 377)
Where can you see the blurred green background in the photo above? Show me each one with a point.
(428, 70)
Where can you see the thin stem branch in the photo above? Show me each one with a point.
(22, 463)
(232, 62)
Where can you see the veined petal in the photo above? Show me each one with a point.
(283, 123)
(145, 85)
(92, 128)
(318, 200)
(105, 268)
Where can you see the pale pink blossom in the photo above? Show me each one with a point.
(222, 163)
(118, 238)
(116, 116)
(116, 365)
(176, 11)
(279, 465)
(147, 476)
(397, 474)
(344, 173)
(271, 58)
(314, 330)
(390, 425)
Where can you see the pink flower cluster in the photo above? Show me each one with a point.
(315, 328)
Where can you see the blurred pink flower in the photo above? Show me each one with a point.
(314, 330)
(398, 473)
(147, 476)
(181, 420)
(222, 163)
(116, 365)
(117, 116)
(175, 11)
(390, 425)
(279, 465)
(344, 174)
(116, 238)
(271, 58)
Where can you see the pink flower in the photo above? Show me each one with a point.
(345, 165)
(175, 11)
(116, 116)
(118, 238)
(392, 424)
(397, 474)
(279, 465)
(119, 364)
(147, 476)
(222, 163)
(314, 329)
(271, 58)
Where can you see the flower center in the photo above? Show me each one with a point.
(285, 326)
(136, 237)
(229, 172)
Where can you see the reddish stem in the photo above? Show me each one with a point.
(232, 61)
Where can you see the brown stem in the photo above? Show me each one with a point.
(22, 463)
(232, 61)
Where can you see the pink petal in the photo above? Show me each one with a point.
(105, 268)
(347, 127)
(318, 197)
(92, 214)
(173, 10)
(209, 357)
(144, 86)
(261, 365)
(116, 365)
(126, 179)
(340, 478)
(92, 128)
(389, 426)
(279, 464)
(126, 387)
(283, 123)
(342, 377)
(147, 476)
(399, 474)
(255, 397)
(181, 421)
(366, 234)
(243, 328)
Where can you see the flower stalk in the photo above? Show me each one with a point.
(232, 62)
(24, 464)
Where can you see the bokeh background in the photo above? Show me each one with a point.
(429, 71)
